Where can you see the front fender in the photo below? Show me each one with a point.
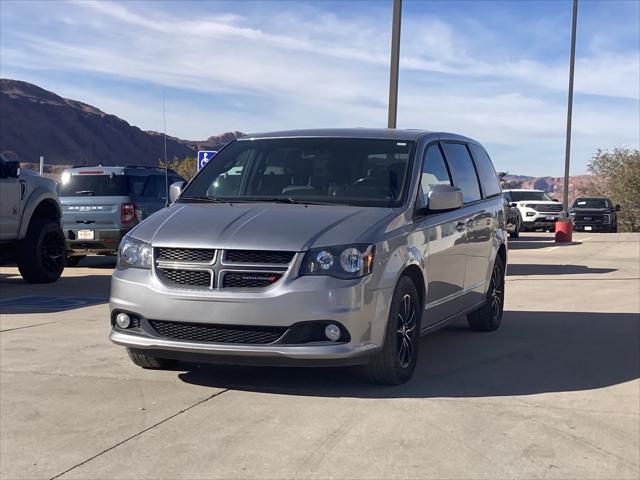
(34, 199)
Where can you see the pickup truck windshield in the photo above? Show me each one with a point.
(591, 203)
(347, 171)
(524, 196)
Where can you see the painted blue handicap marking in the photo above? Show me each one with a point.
(204, 156)
(48, 303)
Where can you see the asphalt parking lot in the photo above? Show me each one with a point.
(555, 393)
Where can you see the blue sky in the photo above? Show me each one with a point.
(496, 71)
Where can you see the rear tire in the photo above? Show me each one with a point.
(42, 253)
(146, 361)
(395, 362)
(488, 318)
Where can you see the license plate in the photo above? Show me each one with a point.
(551, 217)
(85, 234)
(587, 228)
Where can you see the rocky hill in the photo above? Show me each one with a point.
(34, 121)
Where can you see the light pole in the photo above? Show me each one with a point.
(567, 153)
(395, 64)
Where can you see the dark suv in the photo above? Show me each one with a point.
(101, 204)
(596, 214)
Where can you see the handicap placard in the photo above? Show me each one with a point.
(204, 156)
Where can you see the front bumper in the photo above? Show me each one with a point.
(354, 304)
(592, 227)
(104, 240)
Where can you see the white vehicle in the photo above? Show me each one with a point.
(536, 209)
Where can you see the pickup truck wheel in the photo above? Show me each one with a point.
(144, 360)
(42, 253)
(489, 317)
(395, 362)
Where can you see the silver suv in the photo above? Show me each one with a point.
(316, 247)
(101, 204)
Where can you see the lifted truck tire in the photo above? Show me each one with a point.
(42, 253)
(146, 361)
(489, 317)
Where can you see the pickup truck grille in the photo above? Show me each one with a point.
(209, 269)
(203, 332)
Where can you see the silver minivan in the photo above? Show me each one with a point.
(316, 247)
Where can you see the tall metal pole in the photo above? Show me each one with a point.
(395, 64)
(166, 161)
(567, 153)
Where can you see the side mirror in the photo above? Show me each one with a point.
(12, 169)
(444, 197)
(175, 189)
(513, 204)
(555, 199)
(617, 208)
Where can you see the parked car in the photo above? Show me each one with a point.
(326, 247)
(596, 214)
(30, 231)
(512, 218)
(101, 204)
(536, 209)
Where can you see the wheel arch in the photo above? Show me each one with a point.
(42, 204)
(415, 274)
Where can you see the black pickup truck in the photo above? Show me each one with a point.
(594, 214)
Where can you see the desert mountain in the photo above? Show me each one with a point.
(34, 121)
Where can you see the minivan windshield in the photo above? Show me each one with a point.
(94, 185)
(529, 195)
(591, 203)
(347, 171)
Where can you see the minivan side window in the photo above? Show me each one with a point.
(434, 171)
(486, 172)
(462, 170)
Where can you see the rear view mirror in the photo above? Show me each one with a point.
(444, 197)
(11, 169)
(175, 189)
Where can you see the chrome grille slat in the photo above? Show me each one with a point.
(186, 255)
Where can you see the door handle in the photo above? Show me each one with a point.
(461, 226)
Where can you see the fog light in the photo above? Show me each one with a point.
(332, 332)
(123, 320)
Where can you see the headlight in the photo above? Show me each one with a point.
(606, 218)
(531, 214)
(572, 214)
(346, 261)
(134, 253)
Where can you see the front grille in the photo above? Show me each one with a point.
(590, 218)
(201, 332)
(258, 256)
(200, 255)
(186, 278)
(250, 279)
(540, 207)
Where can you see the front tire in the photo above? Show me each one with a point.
(146, 361)
(395, 362)
(42, 253)
(488, 318)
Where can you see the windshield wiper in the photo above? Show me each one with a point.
(291, 200)
(85, 192)
(202, 199)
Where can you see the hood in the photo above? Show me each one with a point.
(35, 179)
(260, 226)
(540, 202)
